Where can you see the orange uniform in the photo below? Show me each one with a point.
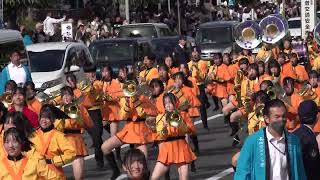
(149, 74)
(110, 110)
(219, 88)
(53, 145)
(173, 70)
(174, 149)
(302, 75)
(292, 106)
(199, 70)
(35, 105)
(135, 111)
(232, 68)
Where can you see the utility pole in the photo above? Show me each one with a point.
(179, 17)
(169, 8)
(127, 11)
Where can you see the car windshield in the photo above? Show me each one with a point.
(46, 61)
(215, 35)
(163, 47)
(294, 24)
(113, 52)
(137, 31)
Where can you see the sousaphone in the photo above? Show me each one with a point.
(248, 35)
(274, 28)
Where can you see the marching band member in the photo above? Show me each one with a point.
(254, 118)
(292, 100)
(150, 72)
(93, 100)
(51, 143)
(261, 68)
(135, 165)
(19, 104)
(112, 88)
(233, 104)
(266, 85)
(135, 110)
(164, 76)
(10, 86)
(73, 128)
(264, 54)
(247, 54)
(300, 71)
(172, 66)
(313, 81)
(287, 47)
(273, 72)
(219, 74)
(19, 121)
(18, 166)
(173, 138)
(249, 85)
(33, 103)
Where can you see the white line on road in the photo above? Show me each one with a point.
(221, 174)
(215, 177)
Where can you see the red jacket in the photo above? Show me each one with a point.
(31, 116)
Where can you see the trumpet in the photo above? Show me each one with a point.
(259, 112)
(130, 88)
(307, 93)
(72, 110)
(271, 93)
(174, 120)
(7, 99)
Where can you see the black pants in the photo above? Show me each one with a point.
(203, 108)
(96, 133)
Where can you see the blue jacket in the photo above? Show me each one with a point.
(5, 76)
(253, 164)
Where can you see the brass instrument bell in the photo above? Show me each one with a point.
(271, 93)
(174, 119)
(130, 88)
(274, 27)
(259, 112)
(7, 99)
(248, 34)
(72, 110)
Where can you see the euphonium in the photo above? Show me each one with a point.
(7, 99)
(237, 86)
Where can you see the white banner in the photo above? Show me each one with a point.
(308, 16)
(66, 30)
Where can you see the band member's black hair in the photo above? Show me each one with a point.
(243, 60)
(29, 84)
(261, 97)
(66, 91)
(313, 73)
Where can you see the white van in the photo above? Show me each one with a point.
(11, 40)
(50, 62)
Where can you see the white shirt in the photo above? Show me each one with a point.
(17, 73)
(48, 25)
(278, 159)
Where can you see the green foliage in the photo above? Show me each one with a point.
(26, 3)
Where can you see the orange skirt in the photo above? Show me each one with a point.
(135, 132)
(110, 111)
(194, 112)
(230, 88)
(175, 152)
(78, 143)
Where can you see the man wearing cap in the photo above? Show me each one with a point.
(307, 112)
(180, 53)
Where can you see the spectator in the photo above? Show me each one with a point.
(180, 52)
(48, 27)
(39, 36)
(14, 71)
(307, 112)
(81, 34)
(272, 152)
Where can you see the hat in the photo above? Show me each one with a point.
(307, 112)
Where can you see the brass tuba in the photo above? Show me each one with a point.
(274, 28)
(316, 33)
(248, 35)
(72, 110)
(7, 99)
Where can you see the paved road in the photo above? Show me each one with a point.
(213, 162)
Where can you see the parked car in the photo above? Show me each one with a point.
(50, 62)
(148, 30)
(214, 37)
(119, 52)
(11, 40)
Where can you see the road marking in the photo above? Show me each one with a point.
(221, 174)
